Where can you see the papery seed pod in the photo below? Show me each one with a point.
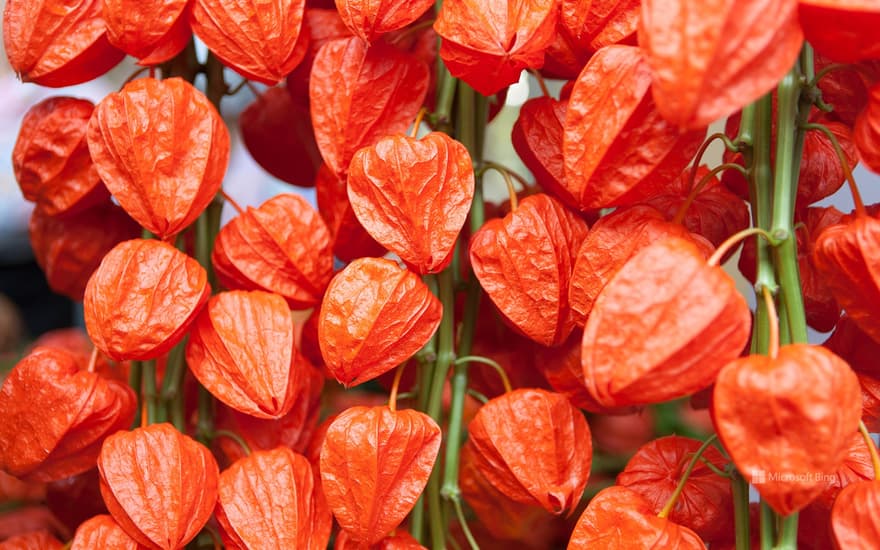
(13, 489)
(807, 389)
(400, 540)
(142, 298)
(241, 350)
(709, 59)
(854, 346)
(524, 262)
(268, 498)
(618, 150)
(35, 540)
(57, 43)
(162, 149)
(153, 31)
(361, 93)
(841, 30)
(561, 366)
(715, 212)
(537, 138)
(54, 417)
(846, 90)
(21, 519)
(257, 39)
(277, 131)
(374, 316)
(370, 20)
(413, 196)
(350, 239)
(102, 532)
(73, 500)
(293, 430)
(705, 504)
(866, 132)
(282, 247)
(681, 320)
(619, 517)
(846, 257)
(534, 447)
(504, 518)
(612, 242)
(854, 521)
(601, 23)
(488, 44)
(159, 485)
(323, 25)
(51, 158)
(70, 248)
(375, 462)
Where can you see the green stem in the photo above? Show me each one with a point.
(171, 393)
(445, 356)
(216, 88)
(768, 526)
(670, 504)
(205, 423)
(789, 139)
(235, 437)
(135, 380)
(761, 190)
(740, 490)
(155, 413)
(788, 533)
(456, 503)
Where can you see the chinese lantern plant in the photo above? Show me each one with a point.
(229, 432)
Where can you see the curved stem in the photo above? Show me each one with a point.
(695, 190)
(535, 73)
(872, 449)
(486, 361)
(500, 168)
(93, 359)
(773, 349)
(231, 201)
(788, 533)
(414, 133)
(670, 504)
(459, 513)
(392, 398)
(847, 171)
(235, 437)
(734, 240)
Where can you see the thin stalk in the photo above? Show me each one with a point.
(155, 413)
(395, 387)
(505, 380)
(135, 379)
(205, 422)
(216, 88)
(93, 359)
(695, 189)
(231, 201)
(773, 320)
(740, 490)
(543, 85)
(235, 437)
(734, 240)
(872, 449)
(456, 503)
(670, 504)
(841, 158)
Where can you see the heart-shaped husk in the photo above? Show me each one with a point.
(663, 327)
(786, 421)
